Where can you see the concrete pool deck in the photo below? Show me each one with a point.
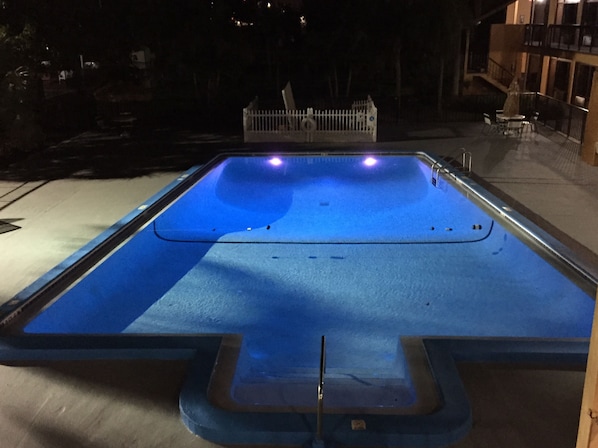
(59, 206)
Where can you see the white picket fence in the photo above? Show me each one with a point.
(358, 124)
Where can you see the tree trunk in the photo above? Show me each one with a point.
(458, 63)
(330, 89)
(349, 79)
(333, 83)
(440, 86)
(398, 70)
(195, 86)
(271, 62)
(466, 54)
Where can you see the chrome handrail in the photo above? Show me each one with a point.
(466, 163)
(321, 389)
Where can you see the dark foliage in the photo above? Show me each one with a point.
(217, 55)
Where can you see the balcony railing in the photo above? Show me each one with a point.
(535, 35)
(580, 38)
(565, 118)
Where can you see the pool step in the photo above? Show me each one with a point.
(312, 373)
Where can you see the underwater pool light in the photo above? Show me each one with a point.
(275, 161)
(370, 161)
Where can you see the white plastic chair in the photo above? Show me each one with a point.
(501, 122)
(489, 125)
(514, 127)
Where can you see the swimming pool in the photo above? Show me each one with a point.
(265, 254)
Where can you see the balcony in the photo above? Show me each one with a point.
(579, 38)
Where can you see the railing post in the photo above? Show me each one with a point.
(569, 120)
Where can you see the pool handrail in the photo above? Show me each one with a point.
(320, 410)
(442, 164)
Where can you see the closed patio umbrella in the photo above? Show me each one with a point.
(511, 106)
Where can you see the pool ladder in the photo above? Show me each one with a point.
(442, 165)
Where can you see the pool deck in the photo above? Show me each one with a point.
(53, 203)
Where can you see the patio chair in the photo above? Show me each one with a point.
(514, 127)
(532, 123)
(500, 120)
(489, 125)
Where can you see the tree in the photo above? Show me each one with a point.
(441, 24)
(392, 27)
(337, 39)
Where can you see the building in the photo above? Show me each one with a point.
(552, 47)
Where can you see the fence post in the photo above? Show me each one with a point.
(309, 125)
(246, 121)
(372, 123)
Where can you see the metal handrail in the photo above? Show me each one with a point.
(466, 160)
(500, 73)
(466, 163)
(321, 389)
(561, 116)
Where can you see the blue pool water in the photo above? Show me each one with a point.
(364, 253)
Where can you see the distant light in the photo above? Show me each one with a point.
(370, 161)
(275, 161)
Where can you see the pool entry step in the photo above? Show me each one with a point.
(443, 426)
(319, 425)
